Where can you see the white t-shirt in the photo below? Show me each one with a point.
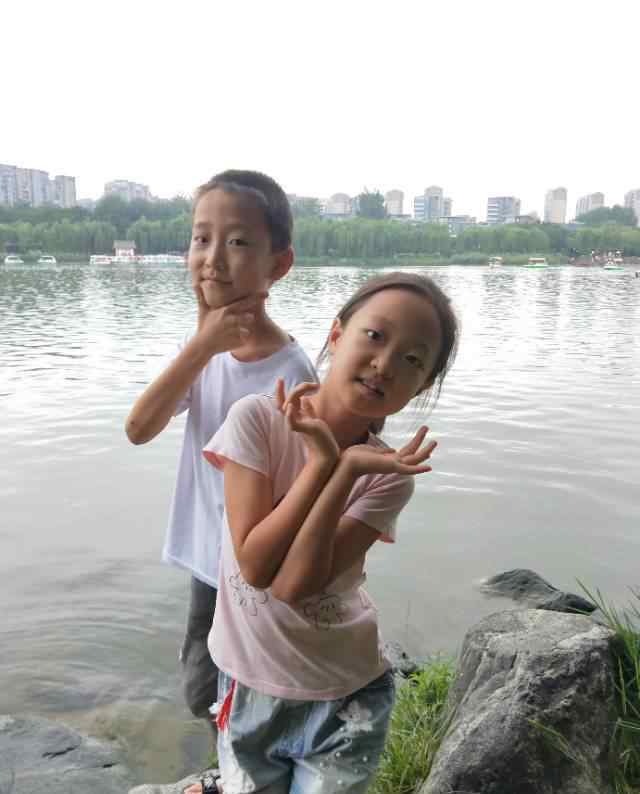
(195, 518)
(327, 646)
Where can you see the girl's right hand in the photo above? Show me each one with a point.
(227, 327)
(302, 418)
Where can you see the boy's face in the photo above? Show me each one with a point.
(230, 254)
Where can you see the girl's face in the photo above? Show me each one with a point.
(384, 355)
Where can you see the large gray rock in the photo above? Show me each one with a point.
(517, 667)
(38, 755)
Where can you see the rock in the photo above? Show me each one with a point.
(567, 602)
(516, 667)
(401, 663)
(41, 755)
(524, 584)
(170, 788)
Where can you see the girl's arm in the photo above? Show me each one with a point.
(329, 543)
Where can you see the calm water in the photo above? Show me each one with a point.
(539, 431)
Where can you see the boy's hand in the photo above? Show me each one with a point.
(227, 327)
(302, 418)
(365, 459)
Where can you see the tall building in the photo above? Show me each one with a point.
(432, 205)
(128, 191)
(339, 206)
(632, 199)
(555, 205)
(33, 187)
(502, 208)
(585, 204)
(64, 191)
(8, 185)
(393, 201)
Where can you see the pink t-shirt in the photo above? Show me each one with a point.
(327, 646)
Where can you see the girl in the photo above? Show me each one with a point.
(304, 692)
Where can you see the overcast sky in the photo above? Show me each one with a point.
(480, 97)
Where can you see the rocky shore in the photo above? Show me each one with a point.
(529, 683)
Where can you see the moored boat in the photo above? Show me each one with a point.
(47, 259)
(536, 261)
(13, 259)
(495, 261)
(100, 259)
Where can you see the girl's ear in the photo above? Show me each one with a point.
(334, 335)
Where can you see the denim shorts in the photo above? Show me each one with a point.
(279, 746)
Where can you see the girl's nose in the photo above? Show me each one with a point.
(383, 364)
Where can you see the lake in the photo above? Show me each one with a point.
(537, 466)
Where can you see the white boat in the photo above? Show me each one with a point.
(162, 259)
(613, 264)
(13, 259)
(100, 259)
(495, 261)
(47, 259)
(536, 261)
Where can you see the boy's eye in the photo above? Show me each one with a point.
(373, 335)
(237, 241)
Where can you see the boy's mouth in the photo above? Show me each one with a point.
(372, 387)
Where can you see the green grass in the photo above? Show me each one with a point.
(625, 741)
(418, 724)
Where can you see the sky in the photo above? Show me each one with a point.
(481, 98)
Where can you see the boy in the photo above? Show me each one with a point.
(240, 246)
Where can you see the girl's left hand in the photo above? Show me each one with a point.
(365, 459)
(302, 418)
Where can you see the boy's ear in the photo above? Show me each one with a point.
(282, 262)
(334, 335)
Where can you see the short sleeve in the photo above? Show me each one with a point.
(380, 503)
(243, 437)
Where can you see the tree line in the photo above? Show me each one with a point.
(160, 227)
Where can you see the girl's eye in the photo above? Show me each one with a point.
(199, 239)
(374, 335)
(237, 241)
(415, 361)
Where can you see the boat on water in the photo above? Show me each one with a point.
(47, 259)
(13, 259)
(537, 262)
(495, 261)
(614, 261)
(100, 259)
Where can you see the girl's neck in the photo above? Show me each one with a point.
(347, 428)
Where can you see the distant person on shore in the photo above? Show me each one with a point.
(240, 246)
(304, 691)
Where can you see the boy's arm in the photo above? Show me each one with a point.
(156, 405)
(219, 330)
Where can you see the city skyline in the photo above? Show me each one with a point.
(430, 204)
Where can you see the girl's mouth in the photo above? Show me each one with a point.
(371, 387)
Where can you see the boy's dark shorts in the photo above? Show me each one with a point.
(200, 673)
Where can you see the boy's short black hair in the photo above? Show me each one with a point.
(268, 194)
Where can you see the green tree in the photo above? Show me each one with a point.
(623, 216)
(371, 205)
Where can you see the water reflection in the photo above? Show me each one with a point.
(537, 464)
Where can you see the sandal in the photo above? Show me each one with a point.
(209, 783)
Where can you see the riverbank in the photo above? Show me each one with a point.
(401, 260)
